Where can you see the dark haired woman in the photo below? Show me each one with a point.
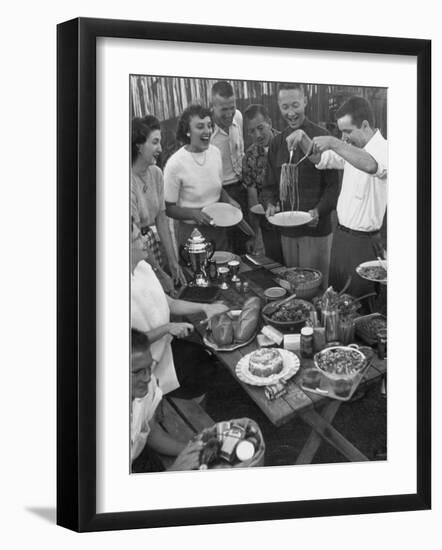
(147, 199)
(193, 178)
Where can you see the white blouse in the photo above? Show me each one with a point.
(150, 310)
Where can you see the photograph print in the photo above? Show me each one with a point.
(258, 273)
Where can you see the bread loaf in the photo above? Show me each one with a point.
(222, 330)
(248, 320)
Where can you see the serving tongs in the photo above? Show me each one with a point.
(309, 151)
(272, 308)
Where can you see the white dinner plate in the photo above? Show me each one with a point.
(291, 366)
(372, 263)
(258, 209)
(290, 219)
(223, 214)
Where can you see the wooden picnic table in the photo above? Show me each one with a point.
(316, 410)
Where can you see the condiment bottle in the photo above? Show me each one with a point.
(307, 342)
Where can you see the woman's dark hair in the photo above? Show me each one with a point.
(359, 109)
(141, 130)
(183, 127)
(256, 109)
(140, 341)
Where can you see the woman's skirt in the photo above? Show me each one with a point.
(151, 244)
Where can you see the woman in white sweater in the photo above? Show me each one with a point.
(193, 178)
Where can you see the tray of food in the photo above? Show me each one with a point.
(368, 326)
(290, 316)
(266, 366)
(342, 388)
(373, 271)
(234, 329)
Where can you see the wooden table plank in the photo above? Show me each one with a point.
(332, 436)
(314, 441)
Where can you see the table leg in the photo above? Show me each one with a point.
(332, 436)
(314, 441)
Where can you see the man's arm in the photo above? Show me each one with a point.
(359, 158)
(183, 307)
(300, 139)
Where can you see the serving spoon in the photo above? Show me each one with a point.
(274, 307)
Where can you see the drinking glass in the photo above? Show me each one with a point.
(346, 331)
(223, 273)
(234, 268)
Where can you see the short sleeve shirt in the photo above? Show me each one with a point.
(147, 196)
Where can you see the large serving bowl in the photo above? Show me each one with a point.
(289, 317)
(340, 362)
(303, 280)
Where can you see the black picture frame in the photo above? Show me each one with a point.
(76, 273)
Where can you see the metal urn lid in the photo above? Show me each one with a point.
(196, 242)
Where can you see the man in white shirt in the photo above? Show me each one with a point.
(228, 137)
(363, 155)
(147, 437)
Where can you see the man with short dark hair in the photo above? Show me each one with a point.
(147, 436)
(228, 137)
(306, 245)
(259, 128)
(363, 155)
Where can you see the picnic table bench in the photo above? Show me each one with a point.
(182, 419)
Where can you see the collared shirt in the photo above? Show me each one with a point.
(363, 198)
(316, 189)
(254, 165)
(231, 146)
(143, 410)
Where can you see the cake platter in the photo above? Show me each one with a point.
(291, 366)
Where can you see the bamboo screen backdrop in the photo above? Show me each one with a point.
(167, 97)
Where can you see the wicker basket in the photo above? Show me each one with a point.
(307, 289)
(257, 459)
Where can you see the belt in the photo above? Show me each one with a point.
(356, 232)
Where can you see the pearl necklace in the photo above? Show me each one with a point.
(195, 158)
